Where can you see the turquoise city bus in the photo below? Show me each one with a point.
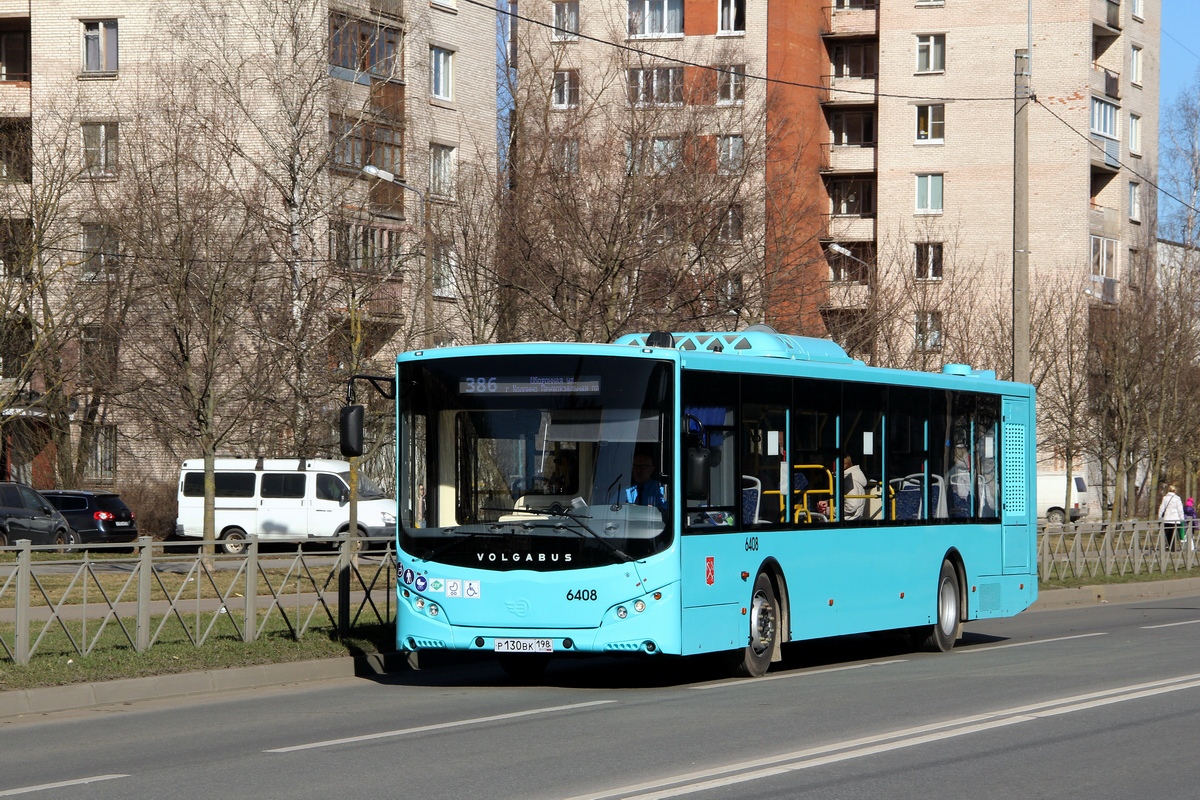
(688, 493)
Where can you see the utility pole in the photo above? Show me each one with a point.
(1023, 96)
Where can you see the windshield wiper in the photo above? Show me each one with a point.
(558, 511)
(495, 529)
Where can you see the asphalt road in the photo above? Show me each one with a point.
(1096, 702)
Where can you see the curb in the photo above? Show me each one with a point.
(88, 695)
(73, 697)
(1115, 593)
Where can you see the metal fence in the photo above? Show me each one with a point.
(1094, 549)
(108, 597)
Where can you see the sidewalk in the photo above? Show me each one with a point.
(88, 695)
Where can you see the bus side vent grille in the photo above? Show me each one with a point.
(989, 598)
(424, 644)
(624, 647)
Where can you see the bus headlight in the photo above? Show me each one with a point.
(622, 612)
(420, 603)
(639, 606)
(433, 610)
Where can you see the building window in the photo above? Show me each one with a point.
(356, 145)
(99, 148)
(928, 331)
(442, 171)
(14, 55)
(931, 53)
(100, 46)
(445, 269)
(731, 151)
(1104, 118)
(564, 156)
(730, 229)
(441, 73)
(1135, 134)
(854, 60)
(929, 261)
(16, 150)
(101, 254)
(852, 127)
(16, 346)
(1135, 65)
(1137, 10)
(566, 21)
(364, 249)
(849, 263)
(1135, 201)
(361, 46)
(566, 89)
(1104, 257)
(929, 194)
(853, 197)
(655, 86)
(97, 354)
(16, 249)
(102, 452)
(931, 123)
(655, 17)
(656, 156)
(732, 16)
(731, 84)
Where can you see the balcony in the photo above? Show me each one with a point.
(850, 227)
(1105, 154)
(851, 18)
(1106, 16)
(848, 157)
(1102, 289)
(847, 294)
(1104, 222)
(1106, 82)
(849, 90)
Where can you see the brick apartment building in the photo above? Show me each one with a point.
(300, 95)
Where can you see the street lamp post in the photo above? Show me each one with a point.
(427, 278)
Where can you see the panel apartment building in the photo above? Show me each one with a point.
(895, 119)
(300, 95)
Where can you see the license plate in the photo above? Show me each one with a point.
(122, 524)
(524, 646)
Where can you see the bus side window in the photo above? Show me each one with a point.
(709, 402)
(813, 455)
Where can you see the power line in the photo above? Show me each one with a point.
(1118, 161)
(724, 70)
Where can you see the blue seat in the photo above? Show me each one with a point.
(750, 497)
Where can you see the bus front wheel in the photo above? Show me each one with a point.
(764, 630)
(941, 636)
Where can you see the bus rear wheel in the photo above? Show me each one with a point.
(754, 661)
(941, 636)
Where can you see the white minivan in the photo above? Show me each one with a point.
(1052, 497)
(280, 498)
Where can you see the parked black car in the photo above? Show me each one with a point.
(25, 514)
(95, 516)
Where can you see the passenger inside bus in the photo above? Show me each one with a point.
(646, 490)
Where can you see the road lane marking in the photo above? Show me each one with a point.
(795, 674)
(41, 787)
(756, 769)
(1170, 624)
(436, 727)
(989, 648)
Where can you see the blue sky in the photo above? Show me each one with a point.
(1180, 47)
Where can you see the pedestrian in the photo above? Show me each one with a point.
(1170, 511)
(1189, 525)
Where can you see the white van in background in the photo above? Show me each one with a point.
(1052, 497)
(280, 498)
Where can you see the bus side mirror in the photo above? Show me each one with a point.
(350, 428)
(696, 472)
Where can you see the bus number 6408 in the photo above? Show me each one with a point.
(581, 594)
(751, 543)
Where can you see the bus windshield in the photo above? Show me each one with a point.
(535, 461)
